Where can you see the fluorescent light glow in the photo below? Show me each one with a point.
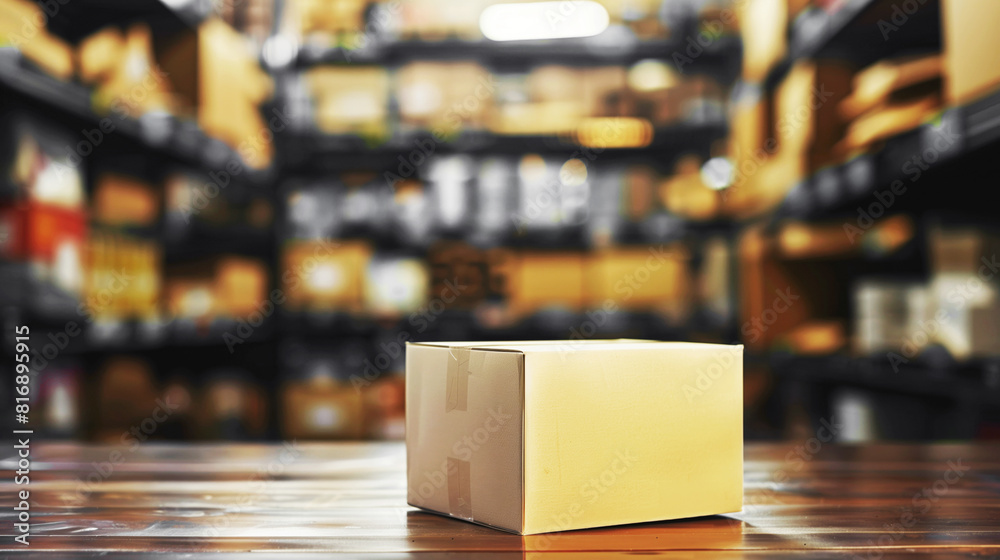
(717, 173)
(543, 20)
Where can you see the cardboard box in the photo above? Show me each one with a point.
(639, 279)
(444, 97)
(224, 89)
(966, 307)
(322, 277)
(892, 80)
(124, 200)
(352, 100)
(546, 280)
(321, 408)
(970, 41)
(22, 25)
(961, 250)
(534, 437)
(121, 67)
(808, 123)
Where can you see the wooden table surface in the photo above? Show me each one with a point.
(802, 500)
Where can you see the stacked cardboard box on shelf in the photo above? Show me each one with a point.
(890, 97)
(120, 66)
(351, 100)
(223, 88)
(43, 221)
(970, 41)
(226, 287)
(22, 25)
(123, 277)
(779, 141)
(965, 286)
(958, 308)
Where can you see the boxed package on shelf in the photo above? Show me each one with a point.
(808, 124)
(888, 314)
(966, 288)
(351, 100)
(36, 163)
(803, 240)
(966, 317)
(801, 136)
(43, 223)
(22, 26)
(962, 250)
(223, 287)
(50, 239)
(655, 278)
(959, 308)
(395, 286)
(614, 132)
(887, 80)
(549, 417)
(444, 97)
(240, 286)
(554, 99)
(223, 88)
(891, 97)
(969, 41)
(888, 121)
(123, 277)
(121, 67)
(545, 280)
(124, 200)
(328, 21)
(322, 407)
(323, 276)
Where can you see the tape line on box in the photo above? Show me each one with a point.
(458, 380)
(460, 488)
(459, 471)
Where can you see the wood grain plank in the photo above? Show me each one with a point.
(348, 500)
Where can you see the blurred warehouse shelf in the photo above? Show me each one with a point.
(251, 207)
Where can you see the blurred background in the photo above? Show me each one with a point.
(224, 219)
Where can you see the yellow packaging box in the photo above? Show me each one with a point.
(969, 36)
(542, 436)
